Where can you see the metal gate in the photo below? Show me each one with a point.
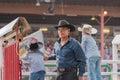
(11, 62)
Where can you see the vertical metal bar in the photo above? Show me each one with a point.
(102, 33)
(115, 57)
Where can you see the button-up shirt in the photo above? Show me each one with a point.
(36, 61)
(89, 46)
(70, 55)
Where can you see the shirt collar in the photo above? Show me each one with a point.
(69, 39)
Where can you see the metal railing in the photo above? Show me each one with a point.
(107, 64)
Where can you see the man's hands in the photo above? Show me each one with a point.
(46, 55)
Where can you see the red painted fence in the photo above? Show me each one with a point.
(11, 62)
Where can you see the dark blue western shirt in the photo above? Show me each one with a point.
(70, 55)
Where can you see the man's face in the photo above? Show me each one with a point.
(63, 32)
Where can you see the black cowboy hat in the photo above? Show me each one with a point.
(31, 43)
(64, 23)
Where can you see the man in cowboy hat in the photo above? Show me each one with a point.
(69, 54)
(91, 52)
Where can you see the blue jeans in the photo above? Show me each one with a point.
(37, 75)
(94, 72)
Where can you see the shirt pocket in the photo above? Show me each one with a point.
(66, 52)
